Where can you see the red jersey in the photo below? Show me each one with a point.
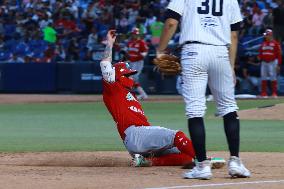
(135, 48)
(66, 24)
(123, 106)
(269, 51)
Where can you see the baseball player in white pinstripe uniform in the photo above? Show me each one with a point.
(209, 35)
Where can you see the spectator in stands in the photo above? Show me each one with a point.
(16, 59)
(257, 20)
(102, 26)
(67, 24)
(88, 17)
(268, 19)
(246, 24)
(122, 26)
(92, 41)
(261, 4)
(140, 24)
(156, 29)
(60, 54)
(49, 54)
(73, 51)
(49, 33)
(44, 20)
(144, 11)
(132, 15)
(278, 21)
(251, 74)
(150, 20)
(135, 4)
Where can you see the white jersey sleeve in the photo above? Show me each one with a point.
(108, 71)
(236, 15)
(177, 6)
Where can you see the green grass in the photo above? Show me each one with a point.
(89, 127)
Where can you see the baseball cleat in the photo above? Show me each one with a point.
(217, 162)
(237, 169)
(274, 95)
(139, 161)
(263, 95)
(201, 171)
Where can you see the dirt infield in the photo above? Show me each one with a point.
(106, 170)
(273, 112)
(111, 170)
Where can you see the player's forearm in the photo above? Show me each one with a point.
(168, 32)
(107, 55)
(233, 48)
(106, 66)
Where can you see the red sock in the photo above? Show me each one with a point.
(171, 160)
(263, 88)
(274, 87)
(184, 144)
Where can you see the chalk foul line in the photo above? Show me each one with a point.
(220, 184)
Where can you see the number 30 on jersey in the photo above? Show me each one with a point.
(217, 7)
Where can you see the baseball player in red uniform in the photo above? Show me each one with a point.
(136, 51)
(271, 59)
(162, 146)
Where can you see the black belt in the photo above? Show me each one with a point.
(193, 42)
(198, 42)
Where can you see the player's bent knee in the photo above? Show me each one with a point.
(184, 144)
(224, 111)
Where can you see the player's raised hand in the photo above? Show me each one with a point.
(111, 37)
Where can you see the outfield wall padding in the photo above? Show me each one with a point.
(71, 78)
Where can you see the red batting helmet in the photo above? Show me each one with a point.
(122, 68)
(135, 31)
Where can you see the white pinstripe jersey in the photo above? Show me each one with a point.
(206, 21)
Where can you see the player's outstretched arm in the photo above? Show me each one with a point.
(108, 71)
(167, 33)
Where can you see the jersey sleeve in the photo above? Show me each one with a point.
(108, 72)
(235, 11)
(177, 6)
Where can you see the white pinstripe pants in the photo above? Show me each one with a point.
(207, 64)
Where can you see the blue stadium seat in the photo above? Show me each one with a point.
(21, 49)
(5, 55)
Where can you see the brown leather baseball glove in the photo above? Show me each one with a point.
(168, 64)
